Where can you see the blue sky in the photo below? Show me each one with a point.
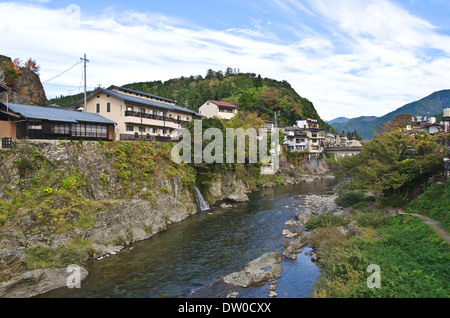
(349, 57)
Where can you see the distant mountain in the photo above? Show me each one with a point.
(339, 120)
(428, 106)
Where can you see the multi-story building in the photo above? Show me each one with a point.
(295, 138)
(137, 114)
(222, 110)
(305, 136)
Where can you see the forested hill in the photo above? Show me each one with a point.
(246, 90)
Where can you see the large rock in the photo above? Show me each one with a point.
(36, 282)
(12, 263)
(27, 89)
(226, 187)
(257, 272)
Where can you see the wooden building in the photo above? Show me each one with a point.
(19, 121)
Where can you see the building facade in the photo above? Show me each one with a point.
(18, 121)
(305, 136)
(137, 114)
(218, 109)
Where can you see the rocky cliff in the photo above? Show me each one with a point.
(26, 88)
(63, 203)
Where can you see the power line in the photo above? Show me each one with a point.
(62, 72)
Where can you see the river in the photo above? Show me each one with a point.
(189, 258)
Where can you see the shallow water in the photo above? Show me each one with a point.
(189, 258)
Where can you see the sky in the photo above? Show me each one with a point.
(349, 57)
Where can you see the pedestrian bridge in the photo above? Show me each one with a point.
(340, 152)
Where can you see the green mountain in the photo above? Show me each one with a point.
(249, 91)
(429, 106)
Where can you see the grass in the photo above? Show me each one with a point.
(434, 203)
(75, 252)
(414, 261)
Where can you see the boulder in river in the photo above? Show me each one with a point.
(257, 272)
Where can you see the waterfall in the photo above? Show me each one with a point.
(200, 200)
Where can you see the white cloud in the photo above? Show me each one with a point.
(363, 59)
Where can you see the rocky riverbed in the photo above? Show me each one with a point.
(268, 268)
(297, 236)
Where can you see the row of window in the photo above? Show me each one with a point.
(154, 112)
(149, 130)
(76, 130)
(225, 110)
(89, 130)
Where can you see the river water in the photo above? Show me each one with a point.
(189, 258)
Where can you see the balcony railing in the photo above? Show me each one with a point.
(155, 117)
(131, 137)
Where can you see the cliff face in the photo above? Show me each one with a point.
(26, 88)
(81, 200)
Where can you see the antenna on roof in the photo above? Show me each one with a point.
(85, 96)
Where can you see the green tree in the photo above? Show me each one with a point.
(384, 166)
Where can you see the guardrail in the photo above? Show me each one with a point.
(8, 142)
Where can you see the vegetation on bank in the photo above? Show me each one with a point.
(412, 258)
(414, 261)
(434, 203)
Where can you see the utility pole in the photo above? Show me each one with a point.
(85, 96)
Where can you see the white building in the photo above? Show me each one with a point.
(222, 110)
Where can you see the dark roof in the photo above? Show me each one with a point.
(141, 93)
(137, 100)
(223, 104)
(56, 114)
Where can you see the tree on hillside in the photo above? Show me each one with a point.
(32, 65)
(386, 164)
(398, 123)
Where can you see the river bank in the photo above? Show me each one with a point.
(347, 242)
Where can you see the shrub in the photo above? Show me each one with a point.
(393, 201)
(348, 198)
(325, 220)
(373, 219)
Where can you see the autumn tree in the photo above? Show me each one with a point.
(32, 65)
(398, 123)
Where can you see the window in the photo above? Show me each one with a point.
(129, 108)
(164, 131)
(142, 110)
(142, 129)
(98, 108)
(108, 107)
(155, 112)
(62, 128)
(35, 126)
(130, 128)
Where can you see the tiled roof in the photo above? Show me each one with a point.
(56, 114)
(223, 104)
